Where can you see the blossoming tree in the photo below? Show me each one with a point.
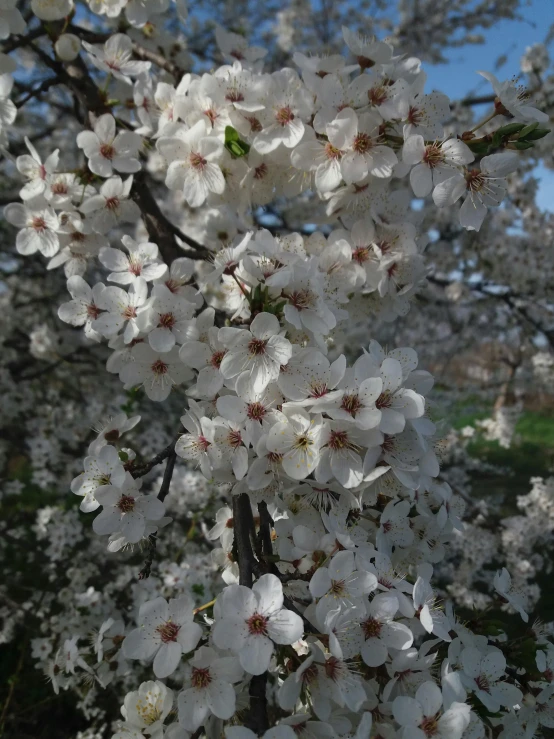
(168, 207)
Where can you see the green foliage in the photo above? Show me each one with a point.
(234, 144)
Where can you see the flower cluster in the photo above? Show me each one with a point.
(328, 624)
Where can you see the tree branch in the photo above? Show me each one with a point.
(16, 42)
(143, 469)
(43, 87)
(75, 76)
(242, 512)
(164, 490)
(256, 718)
(168, 474)
(159, 227)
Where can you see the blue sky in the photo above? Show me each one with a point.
(509, 38)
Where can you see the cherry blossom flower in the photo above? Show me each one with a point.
(107, 150)
(115, 58)
(358, 136)
(31, 167)
(233, 441)
(102, 472)
(8, 111)
(112, 430)
(126, 511)
(482, 674)
(306, 307)
(321, 157)
(367, 50)
(38, 224)
(156, 372)
(64, 189)
(147, 707)
(256, 354)
(51, 10)
(296, 438)
(310, 379)
(255, 410)
(503, 585)
(423, 114)
(84, 307)
(192, 156)
(141, 262)
(166, 631)
(250, 622)
(421, 717)
(166, 319)
(235, 47)
(122, 308)
(513, 101)
(205, 355)
(339, 454)
(433, 620)
(378, 632)
(112, 205)
(288, 107)
(485, 187)
(340, 584)
(198, 445)
(433, 163)
(208, 688)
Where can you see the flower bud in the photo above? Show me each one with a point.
(67, 47)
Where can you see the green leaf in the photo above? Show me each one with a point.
(522, 145)
(234, 144)
(123, 456)
(478, 147)
(231, 134)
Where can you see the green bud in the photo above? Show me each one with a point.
(538, 133)
(528, 129)
(510, 128)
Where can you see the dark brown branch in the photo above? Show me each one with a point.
(164, 490)
(159, 228)
(75, 76)
(43, 87)
(477, 100)
(144, 573)
(266, 522)
(16, 42)
(159, 60)
(257, 719)
(143, 469)
(168, 474)
(242, 512)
